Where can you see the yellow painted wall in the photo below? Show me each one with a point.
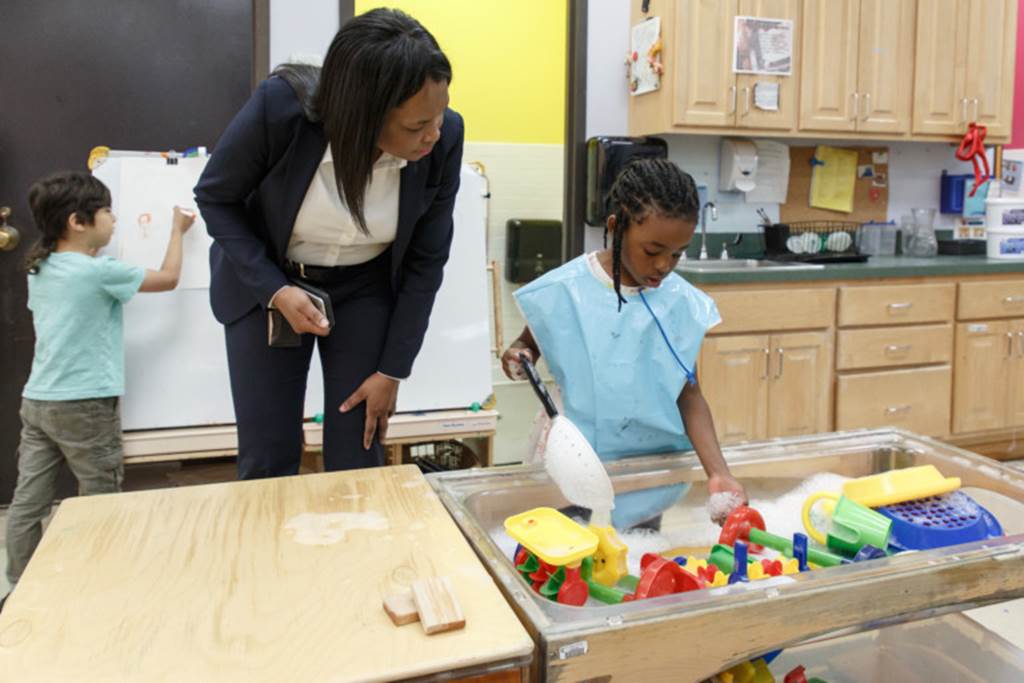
(508, 63)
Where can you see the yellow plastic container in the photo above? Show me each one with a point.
(897, 486)
(552, 536)
(610, 558)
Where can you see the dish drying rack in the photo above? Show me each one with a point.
(813, 241)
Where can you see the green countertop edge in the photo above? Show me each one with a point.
(876, 267)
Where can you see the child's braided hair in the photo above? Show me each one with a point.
(643, 187)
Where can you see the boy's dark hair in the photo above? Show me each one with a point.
(644, 187)
(376, 62)
(53, 199)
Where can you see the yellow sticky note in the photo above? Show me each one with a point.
(833, 180)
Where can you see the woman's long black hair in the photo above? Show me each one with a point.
(53, 200)
(643, 187)
(376, 62)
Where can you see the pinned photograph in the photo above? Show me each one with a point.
(763, 46)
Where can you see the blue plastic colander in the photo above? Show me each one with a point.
(939, 521)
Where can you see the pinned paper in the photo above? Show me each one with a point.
(879, 158)
(865, 171)
(766, 96)
(772, 173)
(1011, 175)
(833, 178)
(645, 67)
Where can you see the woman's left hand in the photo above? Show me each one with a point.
(380, 393)
(726, 483)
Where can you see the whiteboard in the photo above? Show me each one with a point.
(176, 371)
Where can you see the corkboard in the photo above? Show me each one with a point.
(865, 208)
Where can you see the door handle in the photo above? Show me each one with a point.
(963, 110)
(732, 98)
(768, 361)
(781, 357)
(856, 106)
(867, 106)
(1020, 346)
(746, 101)
(976, 111)
(1009, 345)
(9, 236)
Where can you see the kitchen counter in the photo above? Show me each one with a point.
(875, 267)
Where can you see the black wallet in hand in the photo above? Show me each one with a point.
(280, 334)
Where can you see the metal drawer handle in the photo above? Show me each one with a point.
(767, 361)
(1013, 299)
(779, 373)
(856, 106)
(897, 348)
(899, 307)
(893, 410)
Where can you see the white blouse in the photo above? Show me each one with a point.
(325, 233)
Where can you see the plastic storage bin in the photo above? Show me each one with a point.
(950, 648)
(878, 239)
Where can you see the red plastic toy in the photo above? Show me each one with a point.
(737, 527)
(796, 676)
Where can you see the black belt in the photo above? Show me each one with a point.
(318, 274)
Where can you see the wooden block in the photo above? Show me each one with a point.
(401, 608)
(437, 606)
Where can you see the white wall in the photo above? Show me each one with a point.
(301, 31)
(914, 167)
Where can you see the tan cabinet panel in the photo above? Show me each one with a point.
(799, 399)
(828, 71)
(779, 309)
(749, 116)
(991, 39)
(998, 299)
(705, 92)
(917, 400)
(886, 65)
(983, 365)
(896, 304)
(894, 346)
(734, 380)
(940, 106)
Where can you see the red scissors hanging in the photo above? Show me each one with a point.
(972, 148)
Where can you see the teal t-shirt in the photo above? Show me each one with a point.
(77, 311)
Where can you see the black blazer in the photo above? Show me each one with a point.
(253, 187)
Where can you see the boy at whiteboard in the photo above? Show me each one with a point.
(69, 408)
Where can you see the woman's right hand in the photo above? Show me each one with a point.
(510, 360)
(299, 311)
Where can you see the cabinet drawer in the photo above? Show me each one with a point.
(896, 304)
(779, 309)
(1001, 299)
(917, 400)
(883, 347)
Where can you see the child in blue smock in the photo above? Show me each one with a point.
(69, 406)
(621, 333)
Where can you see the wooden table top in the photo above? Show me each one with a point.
(269, 580)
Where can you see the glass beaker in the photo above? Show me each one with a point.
(924, 242)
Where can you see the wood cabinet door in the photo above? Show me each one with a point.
(885, 72)
(705, 83)
(982, 375)
(828, 65)
(748, 115)
(990, 57)
(1015, 377)
(734, 380)
(799, 388)
(940, 105)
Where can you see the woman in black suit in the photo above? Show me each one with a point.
(343, 178)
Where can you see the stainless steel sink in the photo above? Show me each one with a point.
(736, 265)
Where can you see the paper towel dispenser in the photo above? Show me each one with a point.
(606, 156)
(738, 165)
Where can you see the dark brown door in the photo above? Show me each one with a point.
(75, 74)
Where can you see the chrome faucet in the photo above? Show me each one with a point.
(704, 228)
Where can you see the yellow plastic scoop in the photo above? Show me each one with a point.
(897, 486)
(552, 536)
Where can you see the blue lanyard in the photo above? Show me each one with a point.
(691, 377)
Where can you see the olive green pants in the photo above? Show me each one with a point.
(87, 435)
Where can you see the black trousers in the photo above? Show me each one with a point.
(268, 385)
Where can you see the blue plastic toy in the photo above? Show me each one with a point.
(800, 551)
(939, 521)
(739, 565)
(869, 552)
